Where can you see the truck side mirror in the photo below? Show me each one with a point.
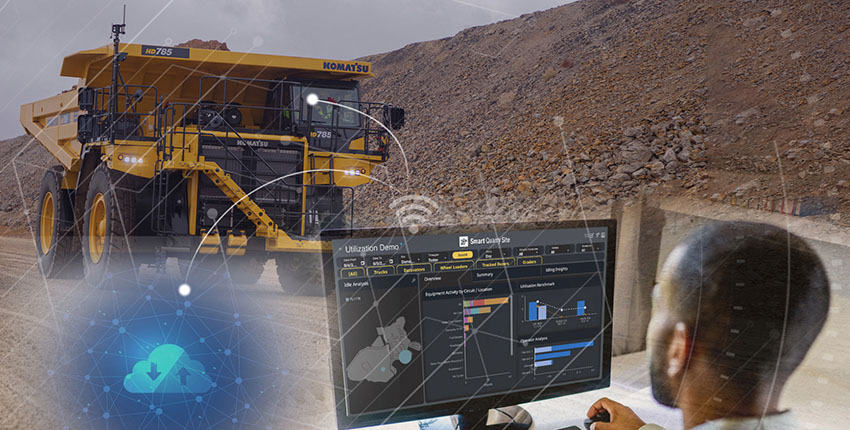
(85, 128)
(85, 98)
(396, 118)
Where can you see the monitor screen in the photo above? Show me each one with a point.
(431, 323)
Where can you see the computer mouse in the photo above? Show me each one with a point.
(603, 416)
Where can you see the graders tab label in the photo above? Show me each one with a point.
(165, 51)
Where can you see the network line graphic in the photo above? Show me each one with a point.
(155, 359)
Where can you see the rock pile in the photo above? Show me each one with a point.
(203, 44)
(677, 98)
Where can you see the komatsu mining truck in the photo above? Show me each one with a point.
(233, 158)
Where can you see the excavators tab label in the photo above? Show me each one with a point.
(165, 51)
(345, 67)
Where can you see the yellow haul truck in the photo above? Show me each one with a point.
(164, 150)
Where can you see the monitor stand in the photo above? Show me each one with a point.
(477, 419)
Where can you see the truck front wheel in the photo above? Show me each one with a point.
(107, 230)
(57, 256)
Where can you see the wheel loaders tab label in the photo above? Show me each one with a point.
(165, 51)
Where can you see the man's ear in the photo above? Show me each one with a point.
(678, 351)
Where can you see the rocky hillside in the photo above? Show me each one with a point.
(710, 99)
(204, 44)
(24, 164)
(593, 102)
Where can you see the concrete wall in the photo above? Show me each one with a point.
(649, 230)
(638, 245)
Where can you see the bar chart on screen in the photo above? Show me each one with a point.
(572, 354)
(558, 357)
(540, 311)
(558, 310)
(487, 337)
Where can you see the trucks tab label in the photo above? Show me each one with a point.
(165, 51)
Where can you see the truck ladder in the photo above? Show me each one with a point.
(265, 225)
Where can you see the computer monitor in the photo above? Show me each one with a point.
(462, 319)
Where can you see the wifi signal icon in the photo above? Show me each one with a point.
(413, 210)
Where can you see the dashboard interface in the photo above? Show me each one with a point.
(430, 319)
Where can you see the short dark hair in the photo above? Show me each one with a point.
(754, 295)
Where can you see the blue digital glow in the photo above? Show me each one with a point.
(134, 361)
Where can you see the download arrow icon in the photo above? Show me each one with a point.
(153, 373)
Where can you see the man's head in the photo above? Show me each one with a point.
(736, 308)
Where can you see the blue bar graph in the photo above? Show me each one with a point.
(541, 312)
(552, 355)
(563, 347)
(532, 311)
(580, 307)
(545, 356)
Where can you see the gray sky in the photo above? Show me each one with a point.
(36, 34)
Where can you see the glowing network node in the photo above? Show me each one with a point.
(312, 99)
(184, 290)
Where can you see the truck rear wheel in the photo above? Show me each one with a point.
(300, 274)
(246, 269)
(107, 230)
(57, 255)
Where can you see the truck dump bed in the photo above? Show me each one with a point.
(175, 72)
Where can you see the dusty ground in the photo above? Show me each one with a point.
(37, 319)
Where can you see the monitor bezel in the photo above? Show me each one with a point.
(479, 404)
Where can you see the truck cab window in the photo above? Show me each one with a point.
(323, 113)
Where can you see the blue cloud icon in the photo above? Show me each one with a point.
(168, 369)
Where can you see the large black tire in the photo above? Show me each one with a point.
(210, 269)
(246, 269)
(300, 274)
(58, 257)
(108, 244)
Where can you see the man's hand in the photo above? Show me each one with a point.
(622, 417)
